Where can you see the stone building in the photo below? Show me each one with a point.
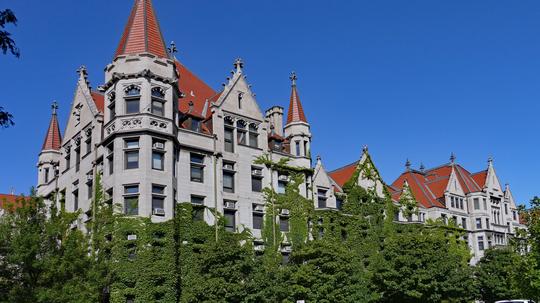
(160, 135)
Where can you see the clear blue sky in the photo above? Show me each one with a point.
(411, 79)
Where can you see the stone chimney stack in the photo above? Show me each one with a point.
(275, 116)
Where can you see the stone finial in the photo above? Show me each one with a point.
(293, 78)
(172, 48)
(422, 167)
(452, 158)
(54, 107)
(365, 149)
(319, 158)
(490, 160)
(408, 165)
(82, 71)
(238, 64)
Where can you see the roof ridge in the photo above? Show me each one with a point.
(344, 166)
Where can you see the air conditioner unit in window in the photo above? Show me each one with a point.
(286, 249)
(283, 178)
(258, 247)
(259, 208)
(230, 205)
(158, 212)
(256, 172)
(228, 166)
(159, 145)
(285, 212)
(132, 237)
(89, 178)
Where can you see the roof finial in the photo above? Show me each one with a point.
(452, 158)
(293, 78)
(408, 165)
(172, 48)
(238, 64)
(54, 107)
(422, 167)
(490, 160)
(365, 149)
(82, 71)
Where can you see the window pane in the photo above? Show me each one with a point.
(281, 187)
(157, 160)
(133, 91)
(132, 143)
(131, 206)
(132, 159)
(195, 158)
(256, 184)
(195, 125)
(241, 137)
(158, 108)
(298, 148)
(253, 140)
(132, 189)
(196, 174)
(132, 106)
(257, 220)
(198, 214)
(284, 224)
(229, 147)
(197, 200)
(228, 182)
(158, 202)
(156, 189)
(230, 220)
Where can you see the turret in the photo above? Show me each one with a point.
(50, 154)
(297, 129)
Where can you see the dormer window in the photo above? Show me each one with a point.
(195, 124)
(133, 99)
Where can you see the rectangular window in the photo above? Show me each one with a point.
(228, 177)
(487, 223)
(197, 168)
(158, 160)
(253, 136)
(284, 224)
(464, 223)
(321, 198)
(158, 108)
(230, 220)
(506, 209)
(198, 213)
(281, 187)
(158, 200)
(88, 144)
(258, 220)
(485, 204)
(478, 223)
(132, 106)
(76, 200)
(132, 153)
(110, 158)
(297, 143)
(514, 216)
(77, 159)
(476, 203)
(241, 134)
(131, 200)
(256, 179)
(480, 243)
(47, 175)
(68, 160)
(90, 187)
(461, 203)
(195, 124)
(197, 200)
(112, 111)
(452, 202)
(339, 203)
(229, 138)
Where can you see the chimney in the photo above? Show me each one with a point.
(275, 115)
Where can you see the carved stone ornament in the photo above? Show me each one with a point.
(131, 123)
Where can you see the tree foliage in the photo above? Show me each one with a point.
(6, 42)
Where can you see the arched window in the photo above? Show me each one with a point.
(133, 99)
(158, 92)
(241, 131)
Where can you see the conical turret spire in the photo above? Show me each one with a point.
(53, 139)
(296, 112)
(142, 33)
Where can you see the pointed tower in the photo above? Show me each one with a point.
(297, 129)
(141, 116)
(50, 152)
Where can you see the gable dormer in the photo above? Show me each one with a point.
(493, 185)
(454, 186)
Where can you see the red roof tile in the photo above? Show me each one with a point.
(296, 112)
(142, 33)
(53, 138)
(343, 174)
(195, 90)
(99, 100)
(6, 201)
(480, 178)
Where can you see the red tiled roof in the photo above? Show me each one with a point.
(343, 174)
(53, 139)
(428, 187)
(142, 33)
(99, 100)
(296, 112)
(480, 178)
(196, 91)
(7, 201)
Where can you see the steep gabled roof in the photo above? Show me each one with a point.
(53, 138)
(142, 33)
(343, 174)
(480, 178)
(99, 100)
(296, 111)
(195, 90)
